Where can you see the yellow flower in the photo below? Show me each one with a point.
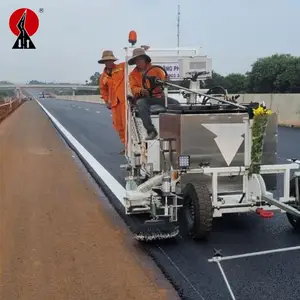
(261, 111)
(258, 111)
(268, 112)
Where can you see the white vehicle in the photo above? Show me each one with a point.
(44, 95)
(198, 167)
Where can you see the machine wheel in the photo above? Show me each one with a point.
(197, 210)
(295, 221)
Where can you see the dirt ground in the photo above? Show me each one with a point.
(56, 240)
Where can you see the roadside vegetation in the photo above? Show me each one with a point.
(279, 73)
(7, 92)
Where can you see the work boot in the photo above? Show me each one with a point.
(151, 135)
(122, 152)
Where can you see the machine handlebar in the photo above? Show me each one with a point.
(195, 75)
(154, 82)
(157, 82)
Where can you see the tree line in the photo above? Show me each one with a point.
(65, 91)
(6, 92)
(279, 73)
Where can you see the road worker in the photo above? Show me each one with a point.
(144, 99)
(112, 91)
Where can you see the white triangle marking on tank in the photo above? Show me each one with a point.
(228, 138)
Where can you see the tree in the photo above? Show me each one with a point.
(279, 73)
(94, 79)
(5, 82)
(216, 79)
(6, 93)
(289, 80)
(235, 83)
(36, 82)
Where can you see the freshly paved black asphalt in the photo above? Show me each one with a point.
(184, 262)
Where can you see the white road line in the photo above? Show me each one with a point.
(297, 161)
(272, 251)
(218, 261)
(87, 109)
(180, 272)
(97, 112)
(226, 281)
(116, 188)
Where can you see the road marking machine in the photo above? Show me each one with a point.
(212, 155)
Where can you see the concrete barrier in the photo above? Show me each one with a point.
(287, 106)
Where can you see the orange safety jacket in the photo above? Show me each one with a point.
(112, 85)
(136, 81)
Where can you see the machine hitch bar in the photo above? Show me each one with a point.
(163, 82)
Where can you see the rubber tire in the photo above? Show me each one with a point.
(200, 197)
(295, 221)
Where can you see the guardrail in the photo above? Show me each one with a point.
(7, 108)
(8, 103)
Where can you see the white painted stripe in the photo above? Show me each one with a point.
(97, 112)
(216, 259)
(296, 161)
(226, 281)
(116, 188)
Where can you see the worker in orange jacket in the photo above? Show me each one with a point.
(112, 91)
(144, 100)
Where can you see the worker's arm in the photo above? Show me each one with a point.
(158, 91)
(103, 88)
(134, 85)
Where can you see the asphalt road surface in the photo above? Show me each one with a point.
(185, 262)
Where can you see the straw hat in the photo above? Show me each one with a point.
(107, 55)
(137, 53)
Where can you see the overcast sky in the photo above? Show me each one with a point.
(73, 33)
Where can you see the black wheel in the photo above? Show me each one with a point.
(295, 221)
(197, 210)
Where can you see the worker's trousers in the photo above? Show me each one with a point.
(119, 119)
(144, 109)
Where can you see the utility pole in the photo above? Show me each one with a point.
(178, 26)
